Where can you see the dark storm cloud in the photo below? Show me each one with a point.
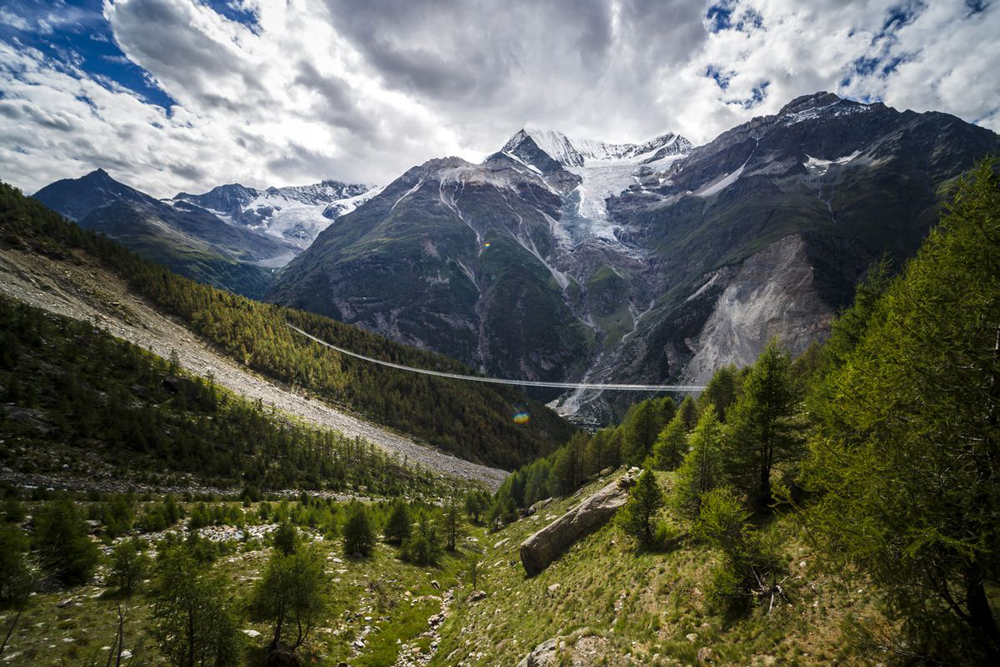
(338, 105)
(474, 51)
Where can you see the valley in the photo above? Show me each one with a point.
(90, 293)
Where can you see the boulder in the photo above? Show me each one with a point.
(543, 655)
(544, 546)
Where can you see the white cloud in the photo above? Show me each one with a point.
(361, 91)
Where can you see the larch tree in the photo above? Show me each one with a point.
(907, 462)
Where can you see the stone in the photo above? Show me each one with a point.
(543, 655)
(554, 587)
(691, 636)
(476, 596)
(435, 585)
(704, 655)
(547, 544)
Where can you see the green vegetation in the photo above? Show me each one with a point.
(881, 446)
(76, 386)
(904, 457)
(468, 419)
(194, 624)
(639, 513)
(359, 536)
(64, 548)
(220, 595)
(291, 591)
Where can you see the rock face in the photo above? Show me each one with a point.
(543, 547)
(772, 294)
(558, 259)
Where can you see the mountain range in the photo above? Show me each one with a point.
(232, 237)
(559, 258)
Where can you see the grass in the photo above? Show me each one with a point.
(645, 607)
(74, 626)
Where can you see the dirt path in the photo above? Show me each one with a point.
(87, 292)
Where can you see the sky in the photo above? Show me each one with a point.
(184, 95)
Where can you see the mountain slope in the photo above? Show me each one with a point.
(184, 237)
(821, 189)
(470, 420)
(639, 262)
(489, 263)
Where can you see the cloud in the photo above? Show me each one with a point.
(276, 92)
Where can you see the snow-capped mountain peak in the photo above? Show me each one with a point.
(296, 214)
(581, 152)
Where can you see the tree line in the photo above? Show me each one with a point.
(148, 414)
(882, 446)
(472, 420)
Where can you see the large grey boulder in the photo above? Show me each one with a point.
(543, 547)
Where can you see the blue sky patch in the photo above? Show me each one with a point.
(75, 33)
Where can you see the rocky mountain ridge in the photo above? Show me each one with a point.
(556, 258)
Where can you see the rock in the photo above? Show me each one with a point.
(281, 657)
(704, 655)
(607, 471)
(436, 585)
(502, 542)
(251, 633)
(476, 596)
(553, 588)
(547, 544)
(691, 636)
(543, 655)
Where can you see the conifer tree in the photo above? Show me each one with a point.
(905, 463)
(688, 411)
(671, 445)
(399, 525)
(359, 538)
(644, 501)
(761, 430)
(701, 470)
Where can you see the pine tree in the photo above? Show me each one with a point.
(701, 470)
(644, 501)
(452, 524)
(671, 445)
(399, 524)
(761, 429)
(721, 391)
(292, 591)
(640, 429)
(906, 460)
(63, 545)
(359, 538)
(688, 411)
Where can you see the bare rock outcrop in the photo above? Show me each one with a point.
(544, 546)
